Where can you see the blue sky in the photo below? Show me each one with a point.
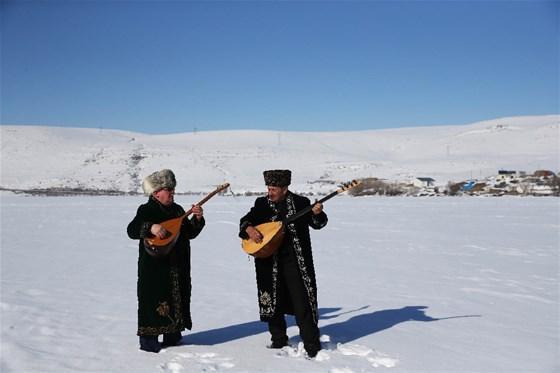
(177, 66)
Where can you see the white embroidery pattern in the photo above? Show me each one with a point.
(301, 261)
(265, 300)
(269, 309)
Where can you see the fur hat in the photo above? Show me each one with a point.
(280, 178)
(158, 180)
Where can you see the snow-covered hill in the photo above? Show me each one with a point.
(38, 157)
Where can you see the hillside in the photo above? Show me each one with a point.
(39, 157)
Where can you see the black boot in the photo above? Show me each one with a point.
(171, 339)
(277, 329)
(312, 349)
(149, 343)
(279, 343)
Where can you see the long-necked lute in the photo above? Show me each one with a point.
(273, 232)
(162, 246)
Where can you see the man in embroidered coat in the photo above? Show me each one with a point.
(286, 280)
(164, 282)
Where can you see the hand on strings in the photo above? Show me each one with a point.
(254, 234)
(159, 231)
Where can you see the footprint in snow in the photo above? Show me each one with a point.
(375, 358)
(206, 361)
(299, 352)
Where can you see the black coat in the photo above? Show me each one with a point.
(296, 242)
(164, 283)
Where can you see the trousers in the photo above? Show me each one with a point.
(291, 289)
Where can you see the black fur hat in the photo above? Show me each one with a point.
(158, 180)
(280, 178)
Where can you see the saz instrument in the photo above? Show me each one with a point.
(162, 246)
(273, 232)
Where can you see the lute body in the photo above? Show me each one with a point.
(273, 234)
(156, 246)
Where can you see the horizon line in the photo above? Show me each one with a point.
(197, 130)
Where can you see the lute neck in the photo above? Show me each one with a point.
(205, 199)
(309, 208)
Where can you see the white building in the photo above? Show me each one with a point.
(506, 176)
(423, 182)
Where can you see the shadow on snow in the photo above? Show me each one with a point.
(369, 323)
(345, 331)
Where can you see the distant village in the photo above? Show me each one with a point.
(505, 182)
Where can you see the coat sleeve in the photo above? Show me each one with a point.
(192, 227)
(252, 218)
(139, 227)
(245, 222)
(316, 221)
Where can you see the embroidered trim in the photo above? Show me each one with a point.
(265, 301)
(307, 282)
(176, 294)
(151, 330)
(163, 309)
(268, 302)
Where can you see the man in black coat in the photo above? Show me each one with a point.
(164, 281)
(286, 280)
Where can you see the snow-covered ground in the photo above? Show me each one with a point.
(56, 157)
(405, 285)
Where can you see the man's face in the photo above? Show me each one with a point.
(277, 194)
(165, 196)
